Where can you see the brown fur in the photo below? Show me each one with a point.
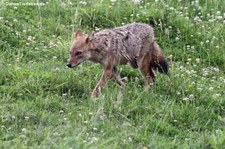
(132, 44)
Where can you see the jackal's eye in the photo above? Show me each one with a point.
(78, 53)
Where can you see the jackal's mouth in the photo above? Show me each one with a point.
(72, 66)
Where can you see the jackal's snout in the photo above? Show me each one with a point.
(69, 65)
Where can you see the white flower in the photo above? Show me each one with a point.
(197, 60)
(136, 1)
(215, 69)
(186, 99)
(211, 88)
(94, 139)
(83, 3)
(24, 130)
(30, 38)
(170, 56)
(219, 17)
(26, 118)
(197, 19)
(191, 96)
(171, 8)
(216, 95)
(218, 13)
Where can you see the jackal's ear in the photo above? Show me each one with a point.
(78, 33)
(90, 37)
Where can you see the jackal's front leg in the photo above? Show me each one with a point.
(117, 77)
(105, 76)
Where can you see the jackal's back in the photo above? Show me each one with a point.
(124, 43)
(139, 30)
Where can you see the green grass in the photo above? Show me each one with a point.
(43, 104)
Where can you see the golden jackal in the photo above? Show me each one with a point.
(132, 43)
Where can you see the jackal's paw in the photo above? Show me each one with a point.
(94, 95)
(96, 92)
(147, 87)
(122, 86)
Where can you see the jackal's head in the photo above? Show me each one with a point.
(79, 50)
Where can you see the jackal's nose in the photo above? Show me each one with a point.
(69, 65)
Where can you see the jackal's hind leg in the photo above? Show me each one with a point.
(147, 72)
(151, 73)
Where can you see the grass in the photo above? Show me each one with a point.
(43, 104)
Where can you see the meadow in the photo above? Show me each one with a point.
(44, 104)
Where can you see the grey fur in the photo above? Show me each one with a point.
(126, 43)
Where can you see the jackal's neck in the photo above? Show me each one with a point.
(97, 55)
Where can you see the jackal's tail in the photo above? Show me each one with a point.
(158, 60)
